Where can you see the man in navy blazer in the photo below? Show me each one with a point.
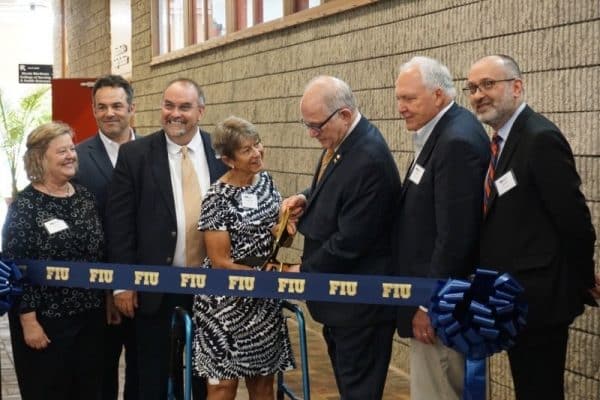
(146, 221)
(113, 107)
(346, 226)
(439, 212)
(537, 226)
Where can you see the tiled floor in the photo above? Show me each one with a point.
(321, 378)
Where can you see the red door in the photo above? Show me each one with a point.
(72, 104)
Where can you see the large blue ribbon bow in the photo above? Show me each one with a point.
(10, 285)
(478, 318)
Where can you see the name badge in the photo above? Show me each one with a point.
(416, 174)
(55, 225)
(249, 200)
(505, 183)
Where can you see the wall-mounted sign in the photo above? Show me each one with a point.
(35, 73)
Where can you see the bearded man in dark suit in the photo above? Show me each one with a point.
(536, 226)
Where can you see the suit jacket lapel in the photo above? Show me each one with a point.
(161, 170)
(508, 150)
(428, 147)
(338, 156)
(100, 157)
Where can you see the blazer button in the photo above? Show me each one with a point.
(169, 260)
(173, 233)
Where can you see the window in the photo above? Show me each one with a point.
(182, 27)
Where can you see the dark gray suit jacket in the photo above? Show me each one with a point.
(438, 220)
(540, 231)
(346, 223)
(141, 224)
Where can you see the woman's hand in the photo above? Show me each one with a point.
(33, 333)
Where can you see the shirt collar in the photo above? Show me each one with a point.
(422, 134)
(505, 129)
(194, 144)
(352, 126)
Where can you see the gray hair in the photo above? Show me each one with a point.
(337, 93)
(229, 134)
(435, 75)
(510, 65)
(189, 82)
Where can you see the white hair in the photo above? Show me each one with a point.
(435, 75)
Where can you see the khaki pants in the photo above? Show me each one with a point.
(436, 372)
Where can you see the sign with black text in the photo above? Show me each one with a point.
(35, 73)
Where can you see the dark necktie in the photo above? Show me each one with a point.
(491, 173)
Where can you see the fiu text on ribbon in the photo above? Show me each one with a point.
(300, 286)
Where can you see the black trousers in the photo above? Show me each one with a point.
(117, 338)
(70, 367)
(153, 342)
(537, 363)
(360, 357)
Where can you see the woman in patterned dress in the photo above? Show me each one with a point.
(239, 337)
(56, 332)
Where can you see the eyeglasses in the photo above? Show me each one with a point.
(484, 85)
(317, 127)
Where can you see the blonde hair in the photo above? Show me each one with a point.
(37, 145)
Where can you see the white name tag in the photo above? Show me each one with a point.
(249, 200)
(505, 183)
(416, 174)
(55, 225)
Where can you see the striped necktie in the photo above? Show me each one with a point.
(491, 173)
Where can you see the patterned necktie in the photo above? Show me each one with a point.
(192, 204)
(491, 173)
(324, 162)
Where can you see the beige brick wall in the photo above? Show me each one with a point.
(261, 79)
(87, 38)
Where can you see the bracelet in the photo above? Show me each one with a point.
(424, 309)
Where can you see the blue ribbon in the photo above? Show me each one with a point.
(478, 318)
(11, 285)
(367, 289)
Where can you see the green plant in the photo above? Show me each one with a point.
(16, 122)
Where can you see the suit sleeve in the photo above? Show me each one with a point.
(558, 185)
(121, 224)
(458, 196)
(363, 219)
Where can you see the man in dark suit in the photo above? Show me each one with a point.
(346, 226)
(147, 224)
(536, 226)
(112, 103)
(439, 212)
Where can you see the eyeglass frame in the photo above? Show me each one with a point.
(472, 88)
(318, 127)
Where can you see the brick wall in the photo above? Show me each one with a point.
(87, 38)
(261, 79)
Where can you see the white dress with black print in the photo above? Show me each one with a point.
(238, 337)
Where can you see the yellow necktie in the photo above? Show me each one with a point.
(324, 162)
(192, 203)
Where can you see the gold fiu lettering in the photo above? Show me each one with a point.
(101, 275)
(245, 283)
(343, 288)
(287, 285)
(192, 280)
(396, 290)
(146, 278)
(57, 273)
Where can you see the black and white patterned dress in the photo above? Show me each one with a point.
(238, 337)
